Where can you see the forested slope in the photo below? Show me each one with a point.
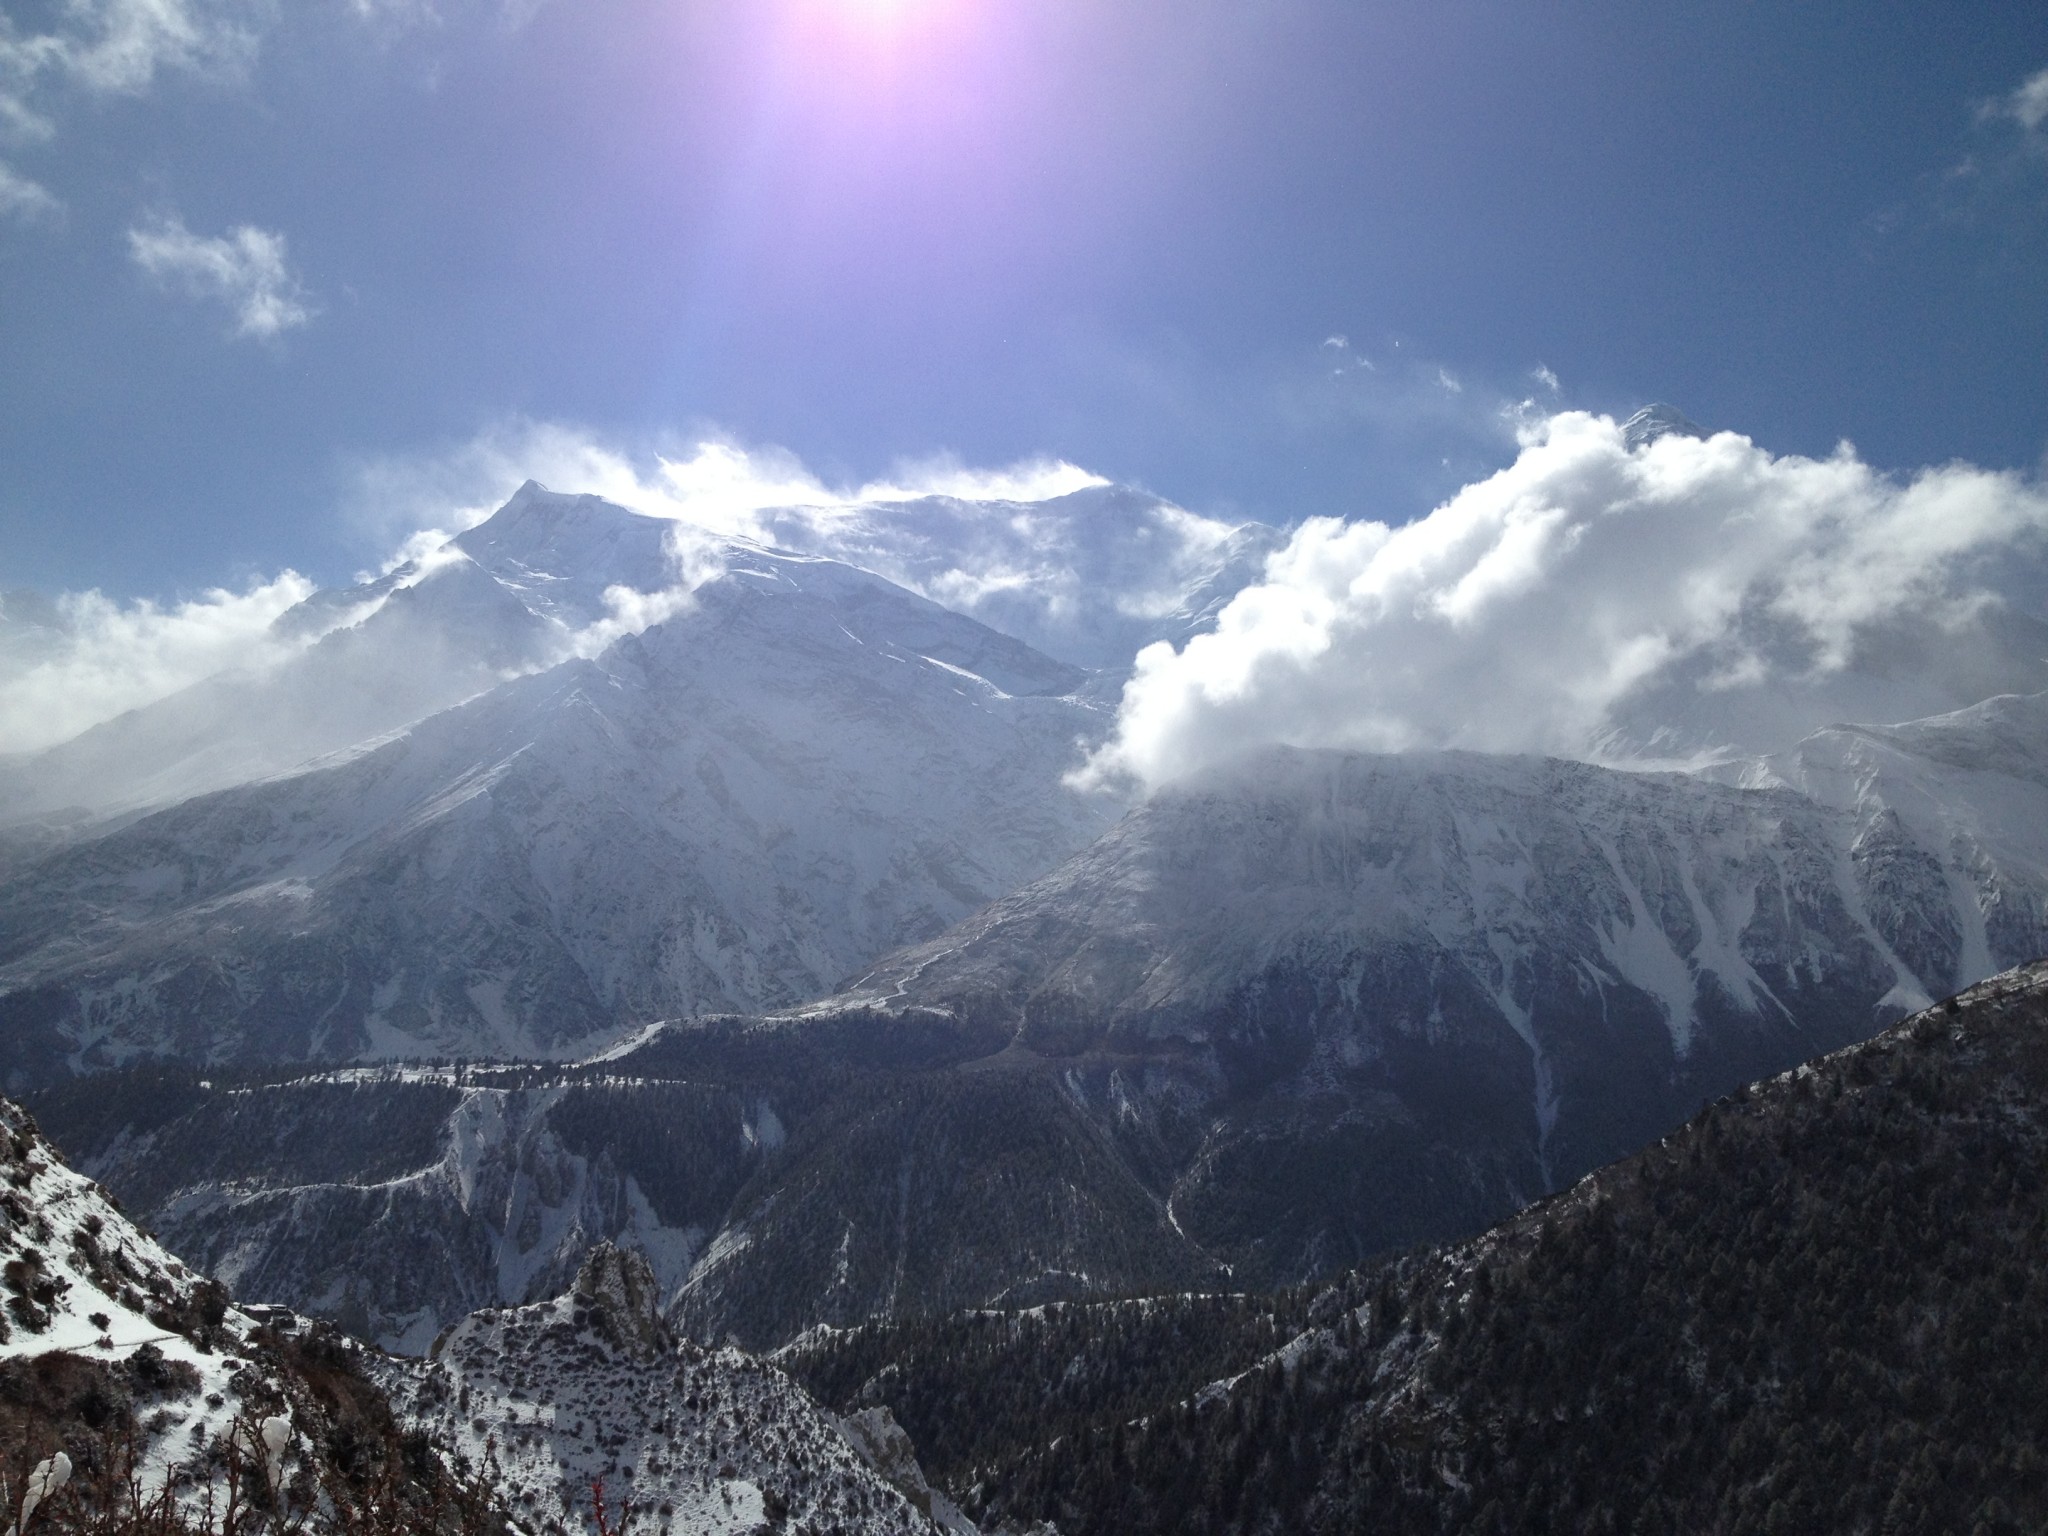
(1820, 1306)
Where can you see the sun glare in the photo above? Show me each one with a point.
(883, 15)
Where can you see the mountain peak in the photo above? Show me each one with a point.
(1657, 420)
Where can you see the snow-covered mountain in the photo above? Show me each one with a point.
(1284, 1015)
(1276, 1021)
(352, 664)
(800, 768)
(1617, 942)
(1089, 577)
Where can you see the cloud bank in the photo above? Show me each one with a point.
(75, 661)
(245, 269)
(1688, 597)
(80, 659)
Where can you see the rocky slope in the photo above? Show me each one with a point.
(131, 1390)
(143, 1394)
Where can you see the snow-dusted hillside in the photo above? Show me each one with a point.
(588, 1396)
(81, 1278)
(143, 1399)
(1952, 829)
(1578, 954)
(799, 769)
(399, 1202)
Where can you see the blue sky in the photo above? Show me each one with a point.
(257, 253)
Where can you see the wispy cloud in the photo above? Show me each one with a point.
(2027, 105)
(119, 47)
(245, 269)
(27, 201)
(1586, 597)
(85, 657)
(710, 481)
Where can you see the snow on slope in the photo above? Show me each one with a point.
(1952, 829)
(480, 1201)
(1640, 934)
(804, 768)
(588, 1392)
(81, 1278)
(1089, 577)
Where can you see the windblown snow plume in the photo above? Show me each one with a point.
(1041, 549)
(1675, 599)
(70, 663)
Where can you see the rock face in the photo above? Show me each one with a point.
(584, 1397)
(620, 1289)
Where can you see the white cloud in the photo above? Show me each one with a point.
(629, 611)
(2028, 105)
(245, 269)
(119, 47)
(23, 199)
(1589, 601)
(86, 658)
(1542, 375)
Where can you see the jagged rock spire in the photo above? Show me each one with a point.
(620, 1285)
